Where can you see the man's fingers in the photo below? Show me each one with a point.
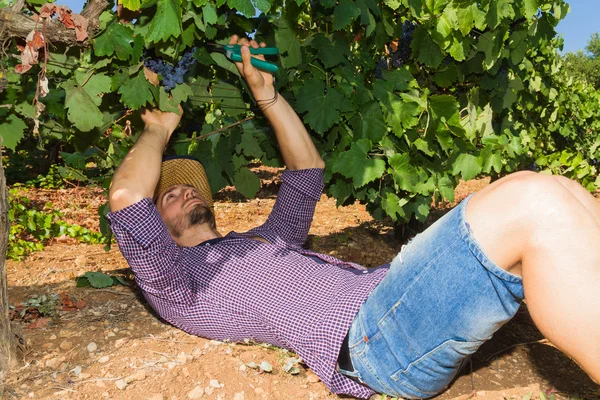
(254, 44)
(263, 44)
(246, 59)
(233, 39)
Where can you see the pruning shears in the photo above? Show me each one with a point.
(233, 52)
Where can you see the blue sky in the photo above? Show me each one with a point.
(579, 24)
(576, 28)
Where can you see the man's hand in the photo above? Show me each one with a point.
(165, 120)
(259, 82)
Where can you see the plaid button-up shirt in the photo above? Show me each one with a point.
(241, 288)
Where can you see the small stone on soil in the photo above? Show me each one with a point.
(215, 383)
(92, 347)
(239, 396)
(195, 393)
(104, 359)
(66, 345)
(121, 384)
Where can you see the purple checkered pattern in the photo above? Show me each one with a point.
(241, 288)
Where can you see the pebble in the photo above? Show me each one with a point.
(311, 377)
(121, 384)
(239, 396)
(65, 345)
(64, 334)
(76, 371)
(120, 342)
(139, 375)
(185, 372)
(92, 347)
(92, 328)
(31, 395)
(243, 367)
(181, 358)
(111, 334)
(215, 383)
(195, 393)
(55, 362)
(209, 390)
(259, 390)
(104, 359)
(53, 337)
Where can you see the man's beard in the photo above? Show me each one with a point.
(200, 214)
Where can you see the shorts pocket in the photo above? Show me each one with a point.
(432, 372)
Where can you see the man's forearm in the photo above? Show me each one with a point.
(297, 148)
(139, 172)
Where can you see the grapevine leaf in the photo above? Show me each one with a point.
(499, 10)
(166, 21)
(132, 5)
(95, 85)
(181, 93)
(393, 4)
(138, 49)
(249, 146)
(12, 131)
(404, 174)
(288, 44)
(393, 206)
(214, 171)
(445, 107)
(332, 49)
(98, 280)
(341, 190)
(428, 51)
(243, 6)
(345, 12)
(355, 164)
(225, 63)
(446, 188)
(327, 3)
(136, 92)
(470, 16)
(115, 39)
(419, 206)
(230, 98)
(209, 13)
(246, 182)
(491, 161)
(467, 165)
(530, 8)
(368, 123)
(323, 109)
(263, 5)
(82, 109)
(165, 103)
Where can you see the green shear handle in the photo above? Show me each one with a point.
(233, 52)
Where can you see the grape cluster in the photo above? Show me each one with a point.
(401, 54)
(172, 75)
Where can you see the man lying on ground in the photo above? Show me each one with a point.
(404, 329)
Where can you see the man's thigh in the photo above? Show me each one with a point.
(440, 300)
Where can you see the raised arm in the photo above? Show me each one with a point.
(296, 146)
(139, 172)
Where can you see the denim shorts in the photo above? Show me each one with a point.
(441, 299)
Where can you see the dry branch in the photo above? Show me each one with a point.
(14, 24)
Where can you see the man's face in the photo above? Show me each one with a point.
(182, 207)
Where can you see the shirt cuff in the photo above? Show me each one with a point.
(307, 181)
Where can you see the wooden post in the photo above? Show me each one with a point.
(8, 343)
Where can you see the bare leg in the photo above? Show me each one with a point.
(547, 231)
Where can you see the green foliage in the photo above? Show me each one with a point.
(98, 280)
(482, 90)
(33, 225)
(585, 66)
